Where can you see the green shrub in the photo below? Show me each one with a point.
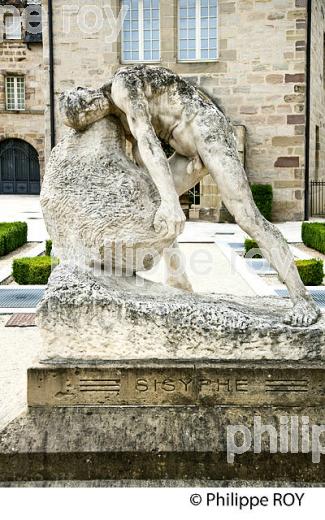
(48, 248)
(263, 198)
(311, 271)
(12, 236)
(313, 235)
(33, 271)
(251, 244)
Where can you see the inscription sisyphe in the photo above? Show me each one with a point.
(176, 386)
(186, 385)
(190, 385)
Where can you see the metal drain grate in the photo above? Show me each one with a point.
(20, 298)
(260, 265)
(318, 296)
(237, 246)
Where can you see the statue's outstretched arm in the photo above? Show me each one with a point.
(170, 214)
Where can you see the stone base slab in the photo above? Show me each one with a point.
(147, 443)
(84, 317)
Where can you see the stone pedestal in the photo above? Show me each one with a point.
(142, 384)
(118, 422)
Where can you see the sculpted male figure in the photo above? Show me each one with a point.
(152, 103)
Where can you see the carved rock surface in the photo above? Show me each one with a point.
(97, 203)
(82, 317)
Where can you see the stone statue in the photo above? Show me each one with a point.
(152, 103)
(124, 361)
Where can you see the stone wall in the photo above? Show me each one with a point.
(317, 114)
(17, 58)
(259, 80)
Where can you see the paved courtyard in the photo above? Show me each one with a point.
(19, 349)
(25, 208)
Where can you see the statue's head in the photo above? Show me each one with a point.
(81, 106)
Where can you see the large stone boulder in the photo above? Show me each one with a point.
(97, 204)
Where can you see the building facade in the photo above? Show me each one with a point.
(249, 55)
(22, 129)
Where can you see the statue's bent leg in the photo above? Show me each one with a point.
(175, 266)
(224, 165)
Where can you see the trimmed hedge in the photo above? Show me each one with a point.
(12, 236)
(33, 271)
(48, 248)
(313, 235)
(311, 271)
(263, 198)
(251, 244)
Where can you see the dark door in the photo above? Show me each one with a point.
(19, 167)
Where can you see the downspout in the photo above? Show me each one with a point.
(51, 73)
(308, 104)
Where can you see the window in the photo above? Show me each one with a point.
(197, 30)
(195, 195)
(12, 27)
(15, 93)
(141, 31)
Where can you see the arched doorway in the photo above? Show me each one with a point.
(19, 168)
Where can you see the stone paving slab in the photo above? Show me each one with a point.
(19, 349)
(209, 270)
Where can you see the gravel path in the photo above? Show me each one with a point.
(311, 252)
